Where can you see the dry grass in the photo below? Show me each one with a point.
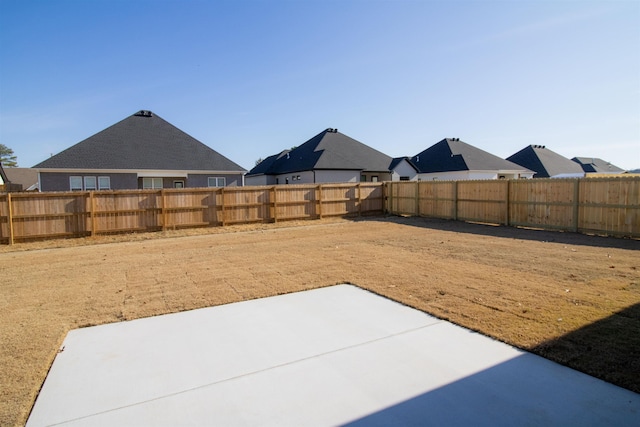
(572, 298)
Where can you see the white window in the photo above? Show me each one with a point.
(75, 183)
(374, 178)
(90, 183)
(104, 183)
(217, 181)
(148, 183)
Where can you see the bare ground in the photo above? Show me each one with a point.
(572, 298)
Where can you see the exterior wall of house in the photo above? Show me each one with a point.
(260, 180)
(303, 177)
(59, 181)
(167, 182)
(404, 171)
(375, 176)
(473, 175)
(318, 176)
(337, 176)
(202, 180)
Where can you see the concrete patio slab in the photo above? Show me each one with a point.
(332, 356)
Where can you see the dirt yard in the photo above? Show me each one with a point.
(572, 298)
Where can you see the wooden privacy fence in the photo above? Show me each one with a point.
(609, 206)
(25, 216)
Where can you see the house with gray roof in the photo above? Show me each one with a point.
(330, 156)
(546, 163)
(595, 165)
(143, 151)
(453, 160)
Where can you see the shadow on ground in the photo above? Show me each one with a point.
(525, 390)
(510, 232)
(609, 348)
(528, 390)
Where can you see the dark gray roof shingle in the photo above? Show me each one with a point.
(141, 141)
(544, 162)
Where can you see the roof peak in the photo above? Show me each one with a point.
(144, 113)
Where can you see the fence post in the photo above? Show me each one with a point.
(417, 198)
(10, 218)
(390, 198)
(359, 188)
(508, 202)
(92, 214)
(274, 203)
(319, 201)
(383, 191)
(222, 207)
(455, 201)
(576, 205)
(163, 209)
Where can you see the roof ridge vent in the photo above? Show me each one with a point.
(144, 113)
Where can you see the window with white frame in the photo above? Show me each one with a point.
(150, 183)
(75, 183)
(90, 183)
(104, 183)
(214, 181)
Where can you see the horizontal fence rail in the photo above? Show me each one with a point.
(48, 215)
(608, 206)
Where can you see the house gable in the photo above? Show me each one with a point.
(403, 169)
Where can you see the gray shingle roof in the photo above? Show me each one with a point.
(141, 141)
(451, 155)
(329, 150)
(544, 162)
(593, 164)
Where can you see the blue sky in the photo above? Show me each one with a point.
(251, 78)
